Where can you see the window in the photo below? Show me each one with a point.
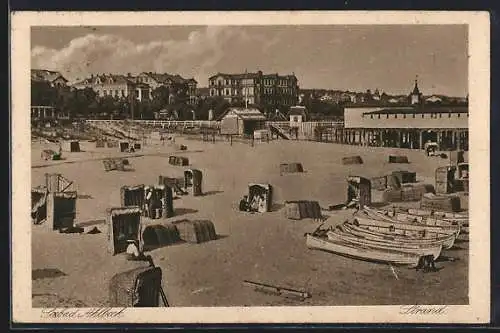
(227, 82)
(105, 92)
(423, 115)
(227, 92)
(123, 93)
(458, 115)
(387, 116)
(395, 116)
(371, 116)
(404, 116)
(440, 115)
(378, 116)
(449, 115)
(413, 115)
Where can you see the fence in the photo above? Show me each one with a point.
(306, 130)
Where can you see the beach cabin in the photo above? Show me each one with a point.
(297, 115)
(241, 121)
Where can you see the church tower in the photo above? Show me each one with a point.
(415, 96)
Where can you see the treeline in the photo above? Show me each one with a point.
(85, 103)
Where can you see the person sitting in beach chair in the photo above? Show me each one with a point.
(244, 206)
(254, 204)
(134, 254)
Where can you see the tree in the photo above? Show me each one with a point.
(160, 97)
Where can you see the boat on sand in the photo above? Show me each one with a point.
(362, 252)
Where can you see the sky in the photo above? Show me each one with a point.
(355, 57)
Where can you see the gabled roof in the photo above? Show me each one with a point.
(43, 75)
(236, 76)
(165, 77)
(244, 113)
(107, 79)
(422, 110)
(297, 111)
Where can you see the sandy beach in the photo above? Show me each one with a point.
(262, 247)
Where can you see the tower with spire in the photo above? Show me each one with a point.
(416, 95)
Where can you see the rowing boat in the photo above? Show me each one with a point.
(373, 233)
(362, 252)
(420, 249)
(445, 215)
(371, 218)
(412, 218)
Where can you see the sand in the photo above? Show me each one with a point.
(260, 247)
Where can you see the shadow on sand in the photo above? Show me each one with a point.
(184, 211)
(46, 273)
(205, 194)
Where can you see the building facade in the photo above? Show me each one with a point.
(180, 89)
(408, 127)
(117, 86)
(256, 88)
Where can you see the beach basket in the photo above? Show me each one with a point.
(392, 195)
(456, 156)
(196, 231)
(301, 209)
(139, 287)
(124, 147)
(137, 146)
(446, 203)
(123, 225)
(38, 205)
(379, 183)
(414, 192)
(352, 160)
(398, 159)
(132, 195)
(158, 235)
(99, 144)
(291, 168)
(405, 177)
(178, 160)
(109, 165)
(61, 209)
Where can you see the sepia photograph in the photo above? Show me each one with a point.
(252, 163)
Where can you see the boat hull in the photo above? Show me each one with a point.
(420, 249)
(375, 233)
(367, 254)
(391, 224)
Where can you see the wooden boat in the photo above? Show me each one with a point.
(362, 252)
(390, 223)
(368, 232)
(420, 249)
(446, 215)
(418, 219)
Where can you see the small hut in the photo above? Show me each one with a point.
(359, 189)
(193, 180)
(124, 224)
